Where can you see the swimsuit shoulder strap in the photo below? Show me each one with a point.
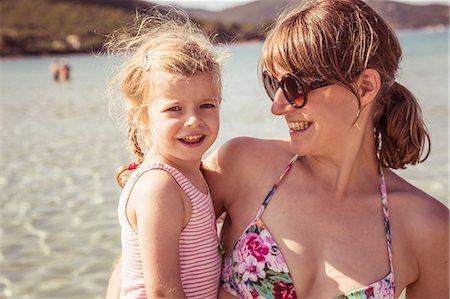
(177, 175)
(387, 228)
(275, 187)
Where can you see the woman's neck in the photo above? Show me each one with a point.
(350, 168)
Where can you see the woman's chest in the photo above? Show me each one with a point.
(329, 250)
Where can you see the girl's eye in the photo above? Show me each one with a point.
(176, 108)
(208, 106)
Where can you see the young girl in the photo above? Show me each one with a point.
(171, 84)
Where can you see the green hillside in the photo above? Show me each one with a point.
(51, 26)
(71, 26)
(31, 27)
(399, 15)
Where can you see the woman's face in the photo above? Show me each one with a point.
(324, 125)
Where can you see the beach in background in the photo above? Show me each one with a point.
(60, 149)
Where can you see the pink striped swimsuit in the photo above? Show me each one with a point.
(200, 261)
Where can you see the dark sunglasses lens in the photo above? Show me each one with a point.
(270, 85)
(294, 91)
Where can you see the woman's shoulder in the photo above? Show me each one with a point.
(420, 234)
(240, 163)
(247, 150)
(415, 204)
(421, 217)
(252, 141)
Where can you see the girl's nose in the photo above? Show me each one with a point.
(193, 120)
(280, 105)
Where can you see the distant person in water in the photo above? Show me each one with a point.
(60, 70)
(64, 71)
(54, 69)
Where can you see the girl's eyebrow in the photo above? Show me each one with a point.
(165, 103)
(169, 100)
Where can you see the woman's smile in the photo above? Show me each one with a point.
(299, 125)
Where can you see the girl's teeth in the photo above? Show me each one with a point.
(299, 125)
(192, 138)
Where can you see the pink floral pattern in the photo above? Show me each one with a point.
(380, 289)
(284, 290)
(256, 268)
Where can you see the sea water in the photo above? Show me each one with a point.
(61, 144)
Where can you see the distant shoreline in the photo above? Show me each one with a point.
(429, 29)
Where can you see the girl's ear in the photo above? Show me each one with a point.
(143, 127)
(141, 117)
(369, 84)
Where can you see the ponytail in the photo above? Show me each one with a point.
(404, 136)
(133, 140)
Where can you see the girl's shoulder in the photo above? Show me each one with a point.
(152, 180)
(153, 194)
(154, 188)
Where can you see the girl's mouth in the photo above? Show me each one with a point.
(192, 139)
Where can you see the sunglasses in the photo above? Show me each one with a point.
(295, 89)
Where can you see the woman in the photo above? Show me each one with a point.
(338, 222)
(322, 215)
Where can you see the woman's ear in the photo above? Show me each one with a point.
(369, 84)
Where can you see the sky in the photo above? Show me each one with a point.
(217, 5)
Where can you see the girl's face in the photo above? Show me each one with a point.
(183, 116)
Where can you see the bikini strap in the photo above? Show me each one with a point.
(275, 187)
(387, 228)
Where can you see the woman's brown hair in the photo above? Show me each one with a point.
(336, 40)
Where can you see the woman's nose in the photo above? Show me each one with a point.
(279, 104)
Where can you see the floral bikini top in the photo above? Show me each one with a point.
(256, 267)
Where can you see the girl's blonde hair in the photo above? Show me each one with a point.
(157, 42)
(336, 40)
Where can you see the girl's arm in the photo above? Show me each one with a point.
(159, 217)
(113, 291)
